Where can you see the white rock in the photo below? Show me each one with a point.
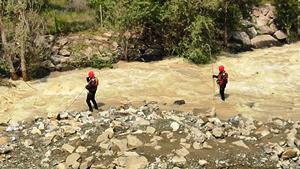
(178, 160)
(28, 143)
(240, 143)
(72, 160)
(68, 148)
(142, 122)
(106, 135)
(36, 131)
(61, 166)
(150, 130)
(81, 149)
(197, 145)
(175, 126)
(202, 162)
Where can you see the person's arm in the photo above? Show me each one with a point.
(215, 76)
(88, 86)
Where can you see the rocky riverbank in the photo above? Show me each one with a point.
(147, 137)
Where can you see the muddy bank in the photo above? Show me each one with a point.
(262, 84)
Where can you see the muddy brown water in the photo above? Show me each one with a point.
(263, 83)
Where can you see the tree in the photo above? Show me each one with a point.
(7, 55)
(287, 16)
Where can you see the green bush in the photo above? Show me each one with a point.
(197, 55)
(99, 63)
(69, 21)
(288, 12)
(4, 67)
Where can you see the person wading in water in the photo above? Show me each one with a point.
(222, 79)
(92, 88)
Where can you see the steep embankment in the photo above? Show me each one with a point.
(263, 83)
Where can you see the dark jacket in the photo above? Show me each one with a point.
(92, 84)
(222, 78)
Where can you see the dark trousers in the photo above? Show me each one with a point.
(222, 92)
(91, 97)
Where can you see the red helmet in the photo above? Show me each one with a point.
(221, 68)
(91, 74)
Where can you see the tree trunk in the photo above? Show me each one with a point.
(23, 49)
(225, 25)
(7, 56)
(23, 63)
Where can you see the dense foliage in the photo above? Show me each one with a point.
(193, 29)
(288, 12)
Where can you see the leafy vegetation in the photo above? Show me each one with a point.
(196, 30)
(288, 13)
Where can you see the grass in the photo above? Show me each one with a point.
(60, 20)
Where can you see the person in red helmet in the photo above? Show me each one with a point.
(222, 79)
(92, 88)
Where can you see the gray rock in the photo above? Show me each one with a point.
(150, 130)
(134, 162)
(28, 143)
(280, 35)
(61, 166)
(106, 135)
(13, 126)
(198, 135)
(55, 59)
(266, 30)
(62, 115)
(242, 38)
(251, 32)
(182, 152)
(64, 52)
(48, 64)
(4, 149)
(278, 150)
(62, 41)
(63, 67)
(289, 153)
(264, 41)
(179, 102)
(207, 146)
(133, 141)
(291, 138)
(262, 131)
(175, 126)
(218, 132)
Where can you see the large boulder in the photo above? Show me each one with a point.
(251, 32)
(264, 41)
(266, 30)
(241, 37)
(280, 35)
